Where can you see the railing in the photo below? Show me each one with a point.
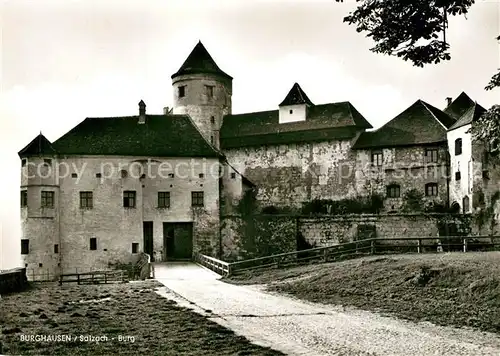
(218, 266)
(361, 248)
(96, 277)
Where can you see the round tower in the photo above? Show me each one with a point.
(39, 210)
(203, 91)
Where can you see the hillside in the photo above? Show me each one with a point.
(457, 289)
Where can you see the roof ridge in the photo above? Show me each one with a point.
(429, 110)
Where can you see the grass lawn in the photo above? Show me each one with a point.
(457, 289)
(134, 319)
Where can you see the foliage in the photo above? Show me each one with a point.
(487, 129)
(487, 215)
(413, 200)
(413, 30)
(371, 204)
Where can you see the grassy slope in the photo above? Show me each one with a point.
(158, 325)
(449, 289)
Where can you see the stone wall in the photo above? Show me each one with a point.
(321, 231)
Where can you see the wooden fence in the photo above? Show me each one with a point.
(96, 277)
(355, 249)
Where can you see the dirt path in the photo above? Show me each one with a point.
(300, 328)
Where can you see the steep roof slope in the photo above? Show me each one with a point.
(472, 114)
(38, 146)
(459, 106)
(160, 135)
(200, 61)
(323, 122)
(419, 124)
(296, 96)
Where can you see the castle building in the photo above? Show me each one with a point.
(112, 187)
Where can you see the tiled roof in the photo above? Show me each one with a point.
(323, 122)
(459, 106)
(296, 96)
(200, 61)
(39, 146)
(160, 135)
(420, 124)
(474, 113)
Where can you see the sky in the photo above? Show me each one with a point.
(65, 60)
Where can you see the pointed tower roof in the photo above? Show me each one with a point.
(39, 146)
(472, 114)
(296, 96)
(200, 61)
(459, 106)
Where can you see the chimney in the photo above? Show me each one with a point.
(448, 101)
(165, 110)
(142, 112)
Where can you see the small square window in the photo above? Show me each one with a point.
(24, 198)
(123, 173)
(23, 162)
(393, 191)
(170, 175)
(163, 200)
(135, 247)
(486, 174)
(129, 199)
(182, 91)
(98, 175)
(458, 176)
(86, 200)
(47, 162)
(47, 199)
(377, 158)
(233, 175)
(291, 111)
(212, 120)
(25, 246)
(431, 155)
(40, 265)
(93, 243)
(56, 248)
(209, 89)
(431, 189)
(74, 175)
(197, 199)
(201, 175)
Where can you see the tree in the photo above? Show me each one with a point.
(416, 31)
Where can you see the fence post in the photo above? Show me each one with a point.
(372, 244)
(325, 255)
(419, 246)
(465, 244)
(78, 279)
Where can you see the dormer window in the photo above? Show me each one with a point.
(182, 91)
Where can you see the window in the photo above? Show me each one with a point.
(93, 243)
(86, 200)
(163, 199)
(196, 198)
(74, 175)
(25, 246)
(377, 158)
(486, 175)
(291, 111)
(209, 89)
(458, 146)
(182, 91)
(212, 120)
(123, 173)
(233, 175)
(393, 191)
(212, 140)
(201, 175)
(465, 204)
(56, 248)
(170, 175)
(135, 247)
(40, 265)
(431, 189)
(24, 198)
(47, 199)
(98, 175)
(47, 162)
(431, 155)
(23, 162)
(129, 199)
(458, 176)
